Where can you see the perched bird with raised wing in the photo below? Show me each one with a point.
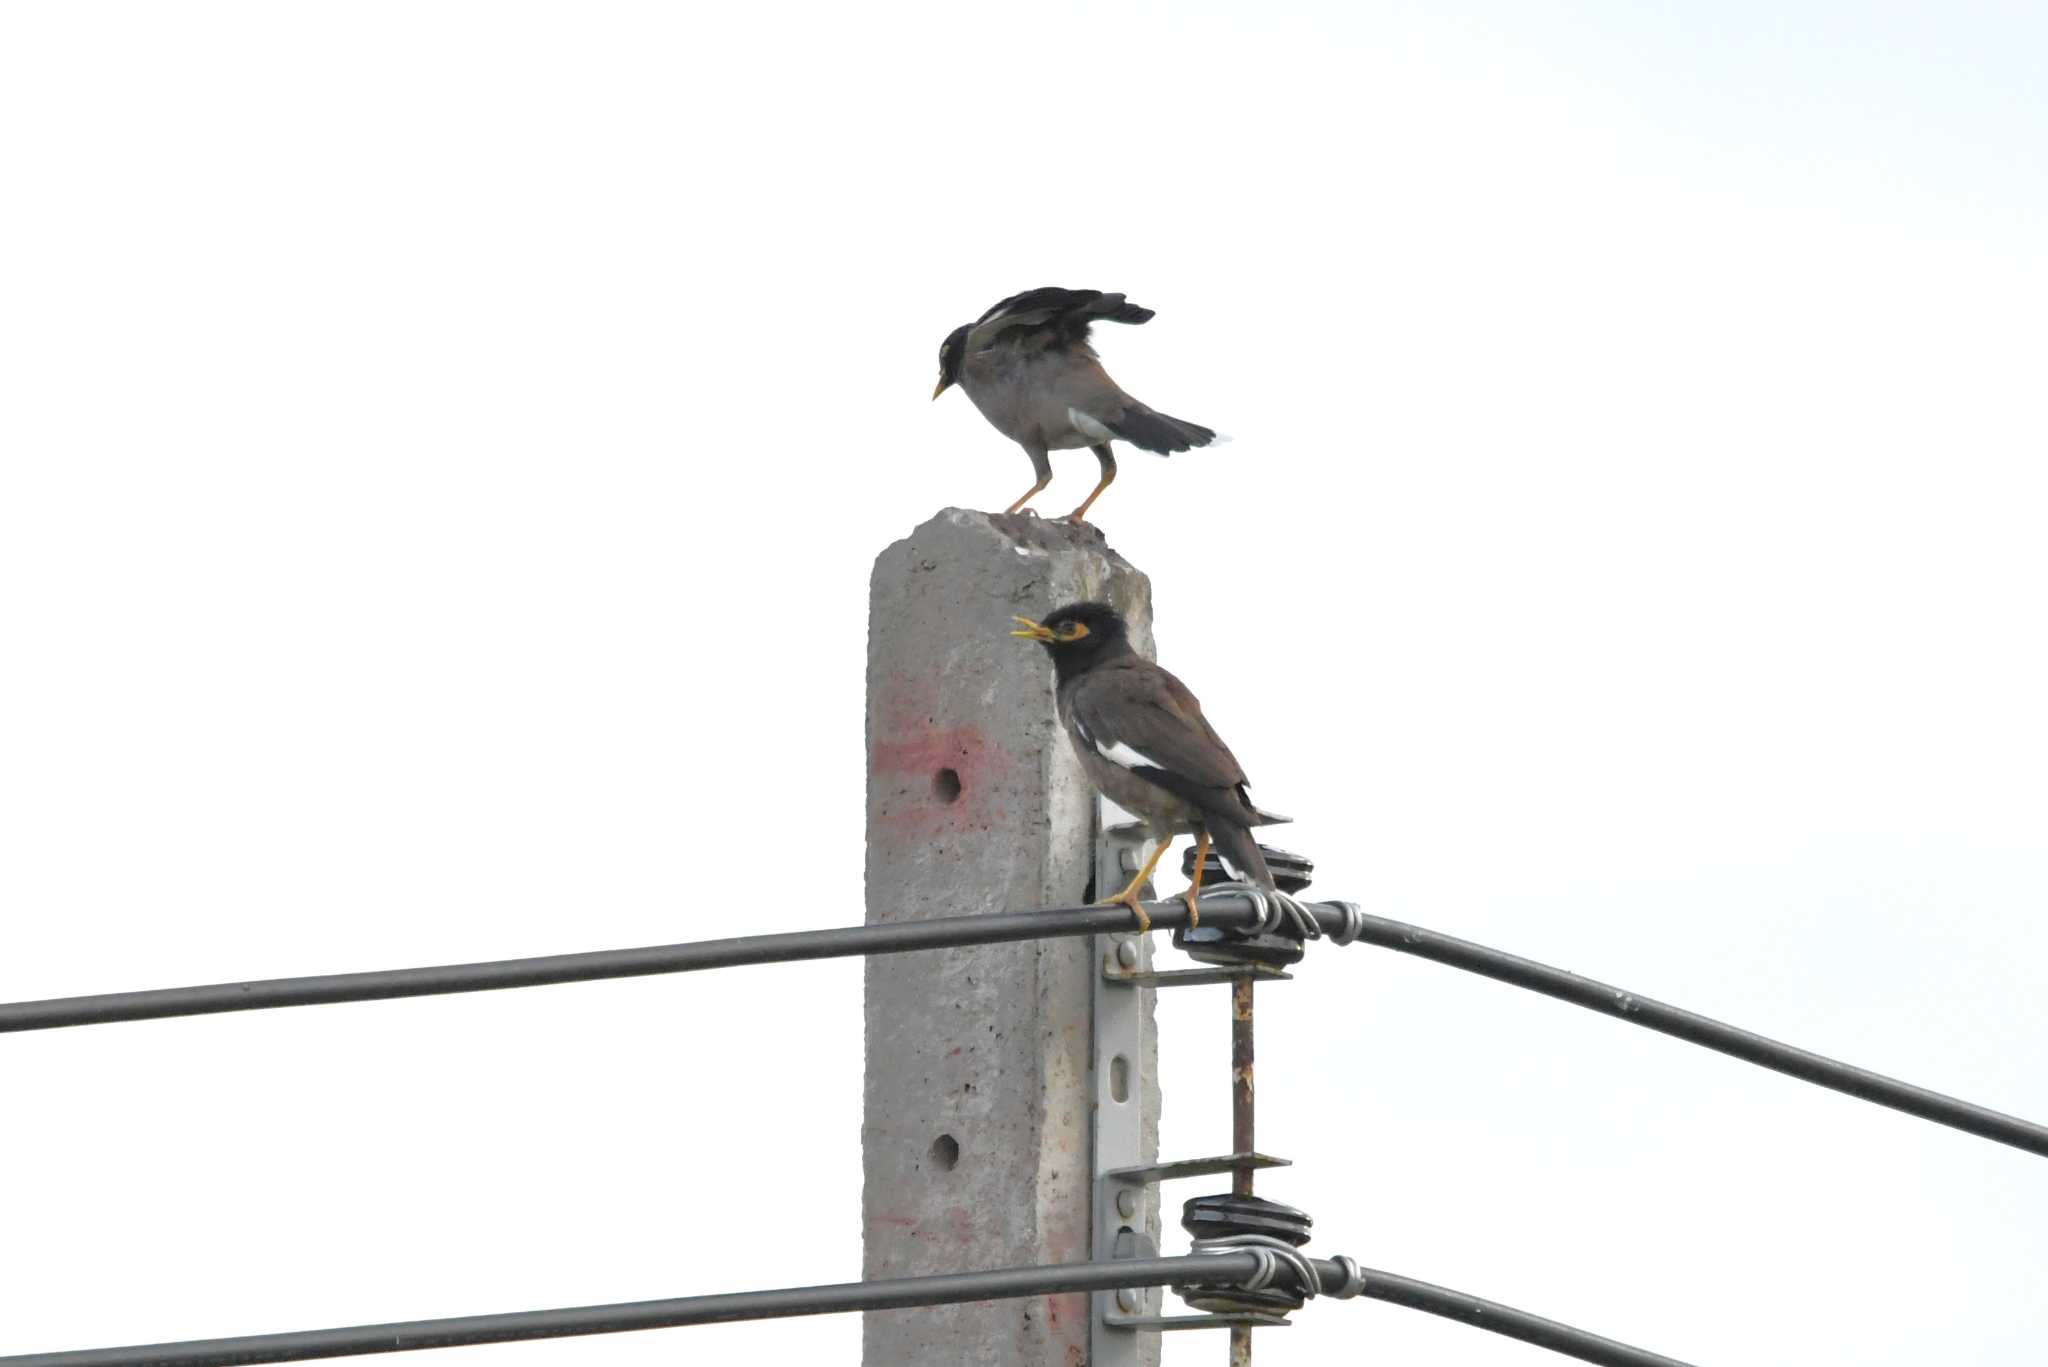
(1145, 745)
(1027, 366)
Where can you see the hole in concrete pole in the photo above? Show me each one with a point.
(945, 1152)
(946, 785)
(1119, 1079)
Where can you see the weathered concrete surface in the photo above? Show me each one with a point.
(976, 1135)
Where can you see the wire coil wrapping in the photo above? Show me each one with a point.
(1273, 1255)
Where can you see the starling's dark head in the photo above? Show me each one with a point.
(952, 352)
(1078, 635)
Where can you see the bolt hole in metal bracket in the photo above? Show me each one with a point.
(1123, 1173)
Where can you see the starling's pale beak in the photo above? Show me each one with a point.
(944, 385)
(1031, 631)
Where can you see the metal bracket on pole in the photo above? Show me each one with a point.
(1119, 1220)
(1115, 972)
(1235, 1320)
(1121, 1314)
(1123, 1177)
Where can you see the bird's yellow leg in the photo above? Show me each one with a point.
(1194, 891)
(1041, 466)
(1129, 896)
(1108, 474)
(1080, 514)
(1029, 494)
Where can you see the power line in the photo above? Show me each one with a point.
(893, 937)
(1214, 1269)
(326, 989)
(1228, 911)
(1732, 1040)
(1506, 1320)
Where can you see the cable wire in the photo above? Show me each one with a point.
(1230, 911)
(894, 937)
(1732, 1040)
(1211, 1269)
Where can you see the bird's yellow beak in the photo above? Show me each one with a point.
(1031, 631)
(944, 385)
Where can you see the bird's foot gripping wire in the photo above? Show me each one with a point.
(1193, 896)
(1129, 898)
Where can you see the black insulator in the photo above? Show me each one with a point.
(1291, 872)
(1225, 1215)
(1219, 1217)
(1228, 948)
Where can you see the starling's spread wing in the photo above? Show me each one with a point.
(1052, 316)
(1050, 299)
(1137, 715)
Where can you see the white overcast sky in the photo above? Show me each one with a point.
(442, 447)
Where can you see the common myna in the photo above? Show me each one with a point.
(1145, 745)
(1028, 367)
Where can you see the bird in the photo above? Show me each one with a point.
(1027, 366)
(1143, 742)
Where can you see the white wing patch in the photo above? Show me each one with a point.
(1126, 756)
(1088, 427)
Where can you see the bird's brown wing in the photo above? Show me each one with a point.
(1061, 315)
(1139, 716)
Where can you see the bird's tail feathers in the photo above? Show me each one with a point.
(1240, 853)
(1153, 431)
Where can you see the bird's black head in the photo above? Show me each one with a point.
(1078, 636)
(952, 352)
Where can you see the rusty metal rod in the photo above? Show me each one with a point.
(954, 1288)
(1243, 1125)
(1243, 1111)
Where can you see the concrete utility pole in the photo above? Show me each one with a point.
(976, 1134)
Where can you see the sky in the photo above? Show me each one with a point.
(442, 447)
